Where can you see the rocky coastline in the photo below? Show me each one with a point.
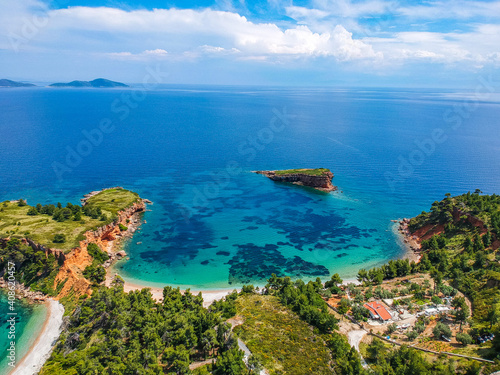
(411, 241)
(23, 292)
(321, 182)
(108, 237)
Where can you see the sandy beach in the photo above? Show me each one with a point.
(38, 353)
(157, 292)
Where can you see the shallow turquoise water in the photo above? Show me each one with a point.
(29, 322)
(191, 151)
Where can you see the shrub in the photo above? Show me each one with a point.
(464, 339)
(412, 335)
(122, 227)
(441, 330)
(436, 300)
(391, 328)
(21, 203)
(419, 327)
(59, 238)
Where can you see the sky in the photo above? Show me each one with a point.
(386, 43)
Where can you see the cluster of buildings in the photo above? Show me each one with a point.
(380, 312)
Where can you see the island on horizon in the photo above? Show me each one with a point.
(9, 83)
(317, 178)
(96, 83)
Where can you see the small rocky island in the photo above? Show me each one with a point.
(318, 178)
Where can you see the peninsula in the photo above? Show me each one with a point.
(63, 250)
(318, 178)
(96, 83)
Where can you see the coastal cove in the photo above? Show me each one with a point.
(208, 231)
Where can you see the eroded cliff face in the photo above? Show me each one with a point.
(71, 271)
(322, 183)
(427, 231)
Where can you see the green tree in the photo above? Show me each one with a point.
(493, 316)
(33, 211)
(208, 341)
(230, 363)
(334, 281)
(441, 330)
(462, 311)
(343, 306)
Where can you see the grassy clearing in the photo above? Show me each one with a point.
(114, 200)
(41, 228)
(286, 344)
(310, 172)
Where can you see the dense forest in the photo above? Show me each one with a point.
(114, 332)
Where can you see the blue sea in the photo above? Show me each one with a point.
(192, 149)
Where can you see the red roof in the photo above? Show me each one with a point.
(377, 309)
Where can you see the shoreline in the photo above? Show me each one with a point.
(399, 228)
(32, 362)
(407, 241)
(209, 296)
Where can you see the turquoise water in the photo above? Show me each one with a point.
(29, 322)
(191, 151)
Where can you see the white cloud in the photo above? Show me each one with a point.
(320, 31)
(202, 27)
(480, 45)
(218, 50)
(144, 55)
(305, 14)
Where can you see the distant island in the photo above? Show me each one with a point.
(317, 178)
(97, 83)
(9, 83)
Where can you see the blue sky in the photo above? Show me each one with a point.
(267, 42)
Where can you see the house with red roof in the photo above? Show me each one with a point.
(378, 311)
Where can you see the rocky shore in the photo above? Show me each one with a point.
(24, 292)
(410, 240)
(321, 181)
(114, 248)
